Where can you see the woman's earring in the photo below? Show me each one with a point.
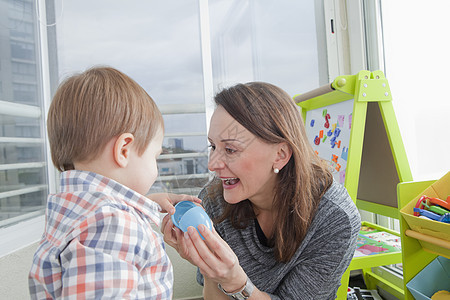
(276, 170)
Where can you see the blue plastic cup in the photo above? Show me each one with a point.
(188, 214)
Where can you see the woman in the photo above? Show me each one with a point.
(283, 229)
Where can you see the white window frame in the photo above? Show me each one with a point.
(205, 39)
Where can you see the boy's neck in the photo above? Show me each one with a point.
(103, 164)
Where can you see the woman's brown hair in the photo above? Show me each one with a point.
(92, 107)
(272, 116)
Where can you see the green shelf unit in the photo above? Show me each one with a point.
(414, 256)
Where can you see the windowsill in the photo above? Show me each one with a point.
(21, 235)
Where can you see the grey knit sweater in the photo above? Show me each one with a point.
(314, 272)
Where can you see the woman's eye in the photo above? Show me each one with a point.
(213, 147)
(229, 150)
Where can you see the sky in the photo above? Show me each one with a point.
(157, 43)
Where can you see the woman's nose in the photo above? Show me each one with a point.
(215, 161)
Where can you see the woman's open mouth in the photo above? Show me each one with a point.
(230, 181)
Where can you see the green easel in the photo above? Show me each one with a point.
(364, 147)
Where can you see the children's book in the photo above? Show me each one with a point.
(373, 241)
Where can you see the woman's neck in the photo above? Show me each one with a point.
(265, 219)
(264, 212)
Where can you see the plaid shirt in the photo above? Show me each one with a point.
(99, 243)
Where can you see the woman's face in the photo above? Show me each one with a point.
(242, 161)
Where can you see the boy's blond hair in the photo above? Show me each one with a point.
(91, 108)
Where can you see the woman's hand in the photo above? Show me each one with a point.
(214, 258)
(167, 200)
(174, 237)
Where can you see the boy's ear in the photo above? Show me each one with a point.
(122, 149)
(284, 153)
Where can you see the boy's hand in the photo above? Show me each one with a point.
(167, 200)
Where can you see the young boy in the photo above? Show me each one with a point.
(105, 134)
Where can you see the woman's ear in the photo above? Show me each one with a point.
(284, 153)
(122, 149)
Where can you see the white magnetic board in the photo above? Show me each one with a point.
(328, 130)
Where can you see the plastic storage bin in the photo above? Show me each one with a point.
(433, 278)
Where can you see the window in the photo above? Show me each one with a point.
(180, 52)
(265, 40)
(423, 113)
(23, 50)
(25, 93)
(24, 168)
(21, 29)
(404, 55)
(159, 45)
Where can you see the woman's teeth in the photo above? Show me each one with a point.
(230, 181)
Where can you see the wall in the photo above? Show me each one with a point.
(14, 273)
(185, 283)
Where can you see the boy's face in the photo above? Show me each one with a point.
(143, 169)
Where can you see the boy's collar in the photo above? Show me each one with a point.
(77, 181)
